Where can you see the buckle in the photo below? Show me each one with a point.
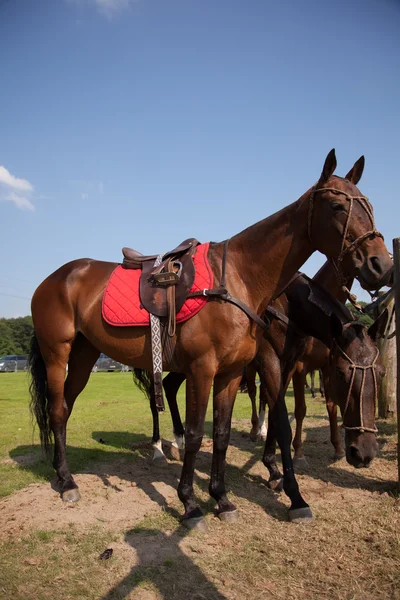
(166, 279)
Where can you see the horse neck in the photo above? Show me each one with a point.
(266, 255)
(328, 277)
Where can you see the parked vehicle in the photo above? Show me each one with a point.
(105, 363)
(13, 362)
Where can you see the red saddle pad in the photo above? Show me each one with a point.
(121, 300)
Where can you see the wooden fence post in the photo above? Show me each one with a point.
(387, 350)
(396, 260)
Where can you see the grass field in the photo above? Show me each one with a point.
(130, 504)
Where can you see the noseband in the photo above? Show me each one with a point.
(363, 369)
(352, 246)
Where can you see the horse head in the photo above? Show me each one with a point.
(356, 373)
(355, 246)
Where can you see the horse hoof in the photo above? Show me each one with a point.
(300, 463)
(301, 515)
(339, 456)
(174, 452)
(253, 436)
(261, 438)
(228, 516)
(71, 495)
(197, 523)
(275, 484)
(160, 459)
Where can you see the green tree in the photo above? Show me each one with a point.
(360, 316)
(15, 335)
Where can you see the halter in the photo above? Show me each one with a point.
(363, 369)
(352, 246)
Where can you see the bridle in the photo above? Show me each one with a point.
(346, 248)
(363, 368)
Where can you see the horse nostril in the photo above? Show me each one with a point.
(355, 457)
(376, 265)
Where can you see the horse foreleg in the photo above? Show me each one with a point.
(225, 389)
(298, 379)
(251, 373)
(198, 387)
(332, 412)
(171, 383)
(312, 388)
(299, 509)
(321, 383)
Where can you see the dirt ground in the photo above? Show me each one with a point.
(351, 551)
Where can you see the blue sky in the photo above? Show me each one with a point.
(203, 117)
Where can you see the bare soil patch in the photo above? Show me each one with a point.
(351, 551)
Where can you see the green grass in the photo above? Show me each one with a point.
(110, 408)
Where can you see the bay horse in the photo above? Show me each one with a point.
(213, 346)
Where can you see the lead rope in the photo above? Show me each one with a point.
(354, 367)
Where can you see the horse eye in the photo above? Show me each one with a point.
(337, 207)
(340, 373)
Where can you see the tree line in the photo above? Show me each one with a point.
(15, 335)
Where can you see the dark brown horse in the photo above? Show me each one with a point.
(312, 354)
(214, 345)
(332, 324)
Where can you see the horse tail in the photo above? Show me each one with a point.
(143, 380)
(39, 404)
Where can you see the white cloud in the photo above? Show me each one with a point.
(14, 182)
(84, 196)
(19, 201)
(108, 8)
(100, 187)
(13, 185)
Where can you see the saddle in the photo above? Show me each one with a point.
(164, 287)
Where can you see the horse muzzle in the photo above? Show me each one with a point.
(361, 452)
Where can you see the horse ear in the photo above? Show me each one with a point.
(354, 175)
(377, 329)
(329, 167)
(336, 325)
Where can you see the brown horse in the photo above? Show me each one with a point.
(216, 343)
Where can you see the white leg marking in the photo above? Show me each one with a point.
(262, 428)
(158, 451)
(179, 442)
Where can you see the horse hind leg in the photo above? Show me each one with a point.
(171, 384)
(80, 356)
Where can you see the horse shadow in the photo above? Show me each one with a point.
(163, 563)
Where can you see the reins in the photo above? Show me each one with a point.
(363, 369)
